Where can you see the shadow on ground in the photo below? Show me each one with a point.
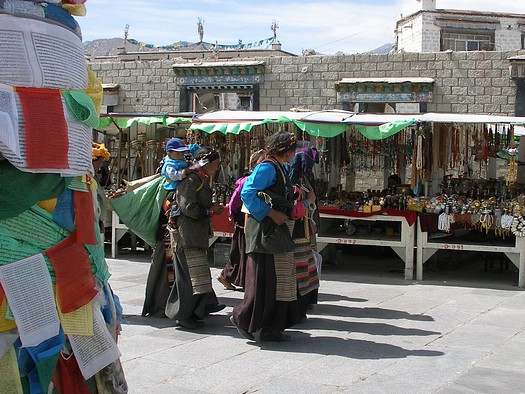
(303, 342)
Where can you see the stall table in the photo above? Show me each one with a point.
(403, 244)
(427, 247)
(118, 229)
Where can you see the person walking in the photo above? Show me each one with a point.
(233, 272)
(270, 297)
(305, 228)
(192, 296)
(161, 274)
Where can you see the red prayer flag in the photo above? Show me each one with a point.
(85, 217)
(74, 279)
(2, 295)
(67, 377)
(46, 136)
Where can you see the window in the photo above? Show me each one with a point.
(216, 99)
(467, 41)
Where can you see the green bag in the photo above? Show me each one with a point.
(139, 210)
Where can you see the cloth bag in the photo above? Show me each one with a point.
(276, 238)
(140, 209)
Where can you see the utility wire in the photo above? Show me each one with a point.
(347, 37)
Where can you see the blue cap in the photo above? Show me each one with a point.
(177, 145)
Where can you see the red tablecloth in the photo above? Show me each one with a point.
(410, 216)
(221, 223)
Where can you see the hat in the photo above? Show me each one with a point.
(176, 144)
(99, 150)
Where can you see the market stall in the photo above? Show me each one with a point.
(326, 130)
(433, 153)
(465, 186)
(427, 149)
(337, 229)
(478, 204)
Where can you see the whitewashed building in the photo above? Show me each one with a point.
(435, 30)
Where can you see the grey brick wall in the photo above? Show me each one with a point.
(473, 82)
(465, 82)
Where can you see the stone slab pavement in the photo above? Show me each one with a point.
(372, 332)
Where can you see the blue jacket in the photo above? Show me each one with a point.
(173, 172)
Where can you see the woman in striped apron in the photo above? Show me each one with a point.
(270, 291)
(192, 293)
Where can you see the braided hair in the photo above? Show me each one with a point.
(280, 142)
(256, 157)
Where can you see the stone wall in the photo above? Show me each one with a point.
(465, 82)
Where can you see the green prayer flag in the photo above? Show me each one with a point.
(21, 190)
(29, 233)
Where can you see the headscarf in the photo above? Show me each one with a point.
(306, 156)
(194, 148)
(205, 155)
(99, 150)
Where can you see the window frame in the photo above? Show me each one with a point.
(468, 36)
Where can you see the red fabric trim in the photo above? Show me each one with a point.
(67, 377)
(202, 173)
(46, 135)
(410, 216)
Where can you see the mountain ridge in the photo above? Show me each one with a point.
(113, 46)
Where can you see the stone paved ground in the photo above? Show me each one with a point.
(461, 330)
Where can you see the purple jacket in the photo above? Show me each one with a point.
(235, 203)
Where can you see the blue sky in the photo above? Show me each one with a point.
(351, 26)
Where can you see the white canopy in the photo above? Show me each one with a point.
(469, 118)
(347, 117)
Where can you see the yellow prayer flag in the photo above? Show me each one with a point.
(9, 374)
(5, 324)
(79, 322)
(75, 9)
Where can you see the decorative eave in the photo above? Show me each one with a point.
(210, 69)
(385, 89)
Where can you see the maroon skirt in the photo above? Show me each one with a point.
(259, 309)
